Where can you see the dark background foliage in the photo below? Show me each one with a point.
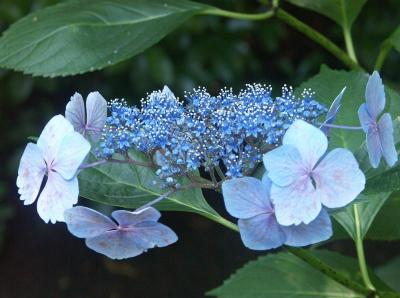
(39, 260)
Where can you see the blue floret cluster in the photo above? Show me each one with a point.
(229, 130)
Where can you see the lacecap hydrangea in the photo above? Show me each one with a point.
(208, 131)
(229, 134)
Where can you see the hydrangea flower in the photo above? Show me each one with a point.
(92, 121)
(121, 131)
(58, 154)
(230, 129)
(249, 200)
(132, 234)
(305, 177)
(379, 134)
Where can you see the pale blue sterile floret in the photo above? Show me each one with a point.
(379, 134)
(89, 121)
(57, 154)
(229, 128)
(304, 177)
(131, 234)
(248, 199)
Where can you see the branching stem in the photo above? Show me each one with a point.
(318, 38)
(341, 126)
(155, 201)
(238, 15)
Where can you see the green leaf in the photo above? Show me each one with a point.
(281, 275)
(130, 186)
(387, 181)
(368, 208)
(343, 12)
(390, 273)
(386, 224)
(80, 36)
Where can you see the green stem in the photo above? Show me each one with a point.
(318, 38)
(238, 15)
(385, 49)
(314, 35)
(349, 44)
(347, 34)
(222, 221)
(220, 173)
(360, 251)
(213, 178)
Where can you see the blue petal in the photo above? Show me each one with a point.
(127, 218)
(261, 232)
(84, 222)
(375, 95)
(338, 178)
(155, 234)
(122, 244)
(58, 195)
(297, 203)
(318, 230)
(75, 112)
(374, 148)
(72, 151)
(31, 171)
(283, 164)
(116, 244)
(309, 140)
(266, 181)
(245, 197)
(366, 121)
(52, 135)
(96, 109)
(385, 127)
(333, 110)
(373, 141)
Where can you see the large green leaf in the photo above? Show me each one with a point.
(387, 181)
(390, 273)
(284, 275)
(343, 12)
(80, 36)
(327, 84)
(367, 209)
(386, 224)
(130, 186)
